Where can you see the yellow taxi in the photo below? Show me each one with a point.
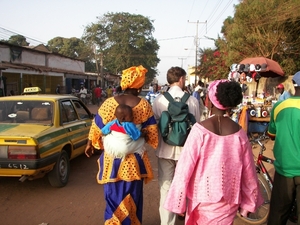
(40, 134)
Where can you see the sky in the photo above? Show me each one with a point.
(177, 23)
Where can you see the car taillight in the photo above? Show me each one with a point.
(22, 152)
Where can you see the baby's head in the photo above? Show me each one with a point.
(124, 113)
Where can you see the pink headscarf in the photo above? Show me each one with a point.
(212, 91)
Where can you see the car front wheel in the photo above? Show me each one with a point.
(59, 176)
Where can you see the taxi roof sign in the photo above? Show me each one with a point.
(32, 90)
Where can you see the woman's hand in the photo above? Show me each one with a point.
(89, 149)
(181, 216)
(243, 212)
(145, 135)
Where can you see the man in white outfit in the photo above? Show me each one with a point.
(199, 94)
(83, 94)
(168, 155)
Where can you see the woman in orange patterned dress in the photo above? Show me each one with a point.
(123, 178)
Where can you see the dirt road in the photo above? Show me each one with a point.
(79, 203)
(269, 153)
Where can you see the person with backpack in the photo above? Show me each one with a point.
(168, 153)
(215, 175)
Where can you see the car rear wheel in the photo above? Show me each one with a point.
(59, 176)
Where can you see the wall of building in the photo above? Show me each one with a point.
(39, 58)
(33, 58)
(4, 53)
(59, 62)
(38, 68)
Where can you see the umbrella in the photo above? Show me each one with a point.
(269, 67)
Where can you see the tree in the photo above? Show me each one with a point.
(73, 48)
(18, 39)
(212, 64)
(264, 28)
(124, 40)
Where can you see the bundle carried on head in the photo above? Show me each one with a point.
(133, 77)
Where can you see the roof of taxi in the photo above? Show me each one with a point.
(53, 97)
(34, 93)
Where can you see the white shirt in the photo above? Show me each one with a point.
(83, 93)
(160, 104)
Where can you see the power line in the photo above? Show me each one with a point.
(219, 16)
(6, 33)
(204, 8)
(167, 39)
(181, 58)
(215, 9)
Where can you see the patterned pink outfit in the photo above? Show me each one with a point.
(215, 176)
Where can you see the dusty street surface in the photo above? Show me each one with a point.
(269, 153)
(79, 203)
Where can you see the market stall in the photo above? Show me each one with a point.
(254, 114)
(259, 117)
(258, 105)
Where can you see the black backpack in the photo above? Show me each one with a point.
(176, 123)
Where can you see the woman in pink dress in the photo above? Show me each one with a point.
(215, 176)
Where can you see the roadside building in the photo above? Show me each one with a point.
(27, 66)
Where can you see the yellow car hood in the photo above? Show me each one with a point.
(21, 130)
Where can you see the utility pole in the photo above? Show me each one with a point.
(101, 70)
(97, 64)
(196, 44)
(182, 61)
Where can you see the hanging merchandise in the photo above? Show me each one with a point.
(264, 112)
(233, 73)
(266, 67)
(258, 111)
(253, 112)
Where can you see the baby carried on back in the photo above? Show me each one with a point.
(122, 136)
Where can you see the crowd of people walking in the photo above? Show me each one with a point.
(205, 181)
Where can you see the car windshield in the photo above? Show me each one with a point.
(37, 112)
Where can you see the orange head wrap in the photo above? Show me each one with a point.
(133, 77)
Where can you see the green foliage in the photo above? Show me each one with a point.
(212, 64)
(265, 28)
(19, 40)
(268, 28)
(73, 48)
(125, 40)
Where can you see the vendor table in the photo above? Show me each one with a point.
(259, 119)
(258, 124)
